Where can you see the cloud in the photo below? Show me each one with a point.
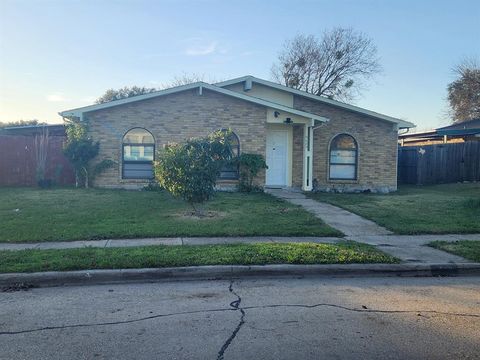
(201, 50)
(57, 97)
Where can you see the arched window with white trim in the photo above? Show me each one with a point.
(138, 152)
(343, 158)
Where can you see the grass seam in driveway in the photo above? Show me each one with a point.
(36, 260)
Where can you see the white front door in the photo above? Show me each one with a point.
(277, 144)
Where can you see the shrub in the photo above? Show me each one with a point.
(190, 170)
(80, 150)
(249, 166)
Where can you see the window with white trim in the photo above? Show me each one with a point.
(138, 152)
(343, 158)
(229, 171)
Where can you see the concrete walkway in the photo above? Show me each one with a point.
(408, 248)
(112, 243)
(340, 219)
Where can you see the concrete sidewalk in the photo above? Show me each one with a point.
(408, 248)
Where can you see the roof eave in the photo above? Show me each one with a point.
(402, 124)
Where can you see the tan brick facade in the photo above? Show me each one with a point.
(181, 115)
(174, 118)
(377, 148)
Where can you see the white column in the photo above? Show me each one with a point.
(307, 158)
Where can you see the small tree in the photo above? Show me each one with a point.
(249, 166)
(190, 170)
(80, 150)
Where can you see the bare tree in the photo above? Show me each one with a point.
(464, 93)
(185, 79)
(335, 65)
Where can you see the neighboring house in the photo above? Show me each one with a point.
(308, 141)
(456, 133)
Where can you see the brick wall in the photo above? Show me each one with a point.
(174, 118)
(377, 148)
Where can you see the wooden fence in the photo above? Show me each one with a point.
(18, 164)
(440, 163)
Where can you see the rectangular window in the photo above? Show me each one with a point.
(138, 161)
(343, 164)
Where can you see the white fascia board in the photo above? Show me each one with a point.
(401, 123)
(78, 112)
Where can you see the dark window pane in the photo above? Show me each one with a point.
(137, 171)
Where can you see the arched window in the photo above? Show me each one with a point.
(343, 158)
(138, 149)
(230, 170)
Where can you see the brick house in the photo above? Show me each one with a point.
(309, 142)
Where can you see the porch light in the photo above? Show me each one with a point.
(288, 121)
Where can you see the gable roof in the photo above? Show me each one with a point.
(401, 123)
(78, 112)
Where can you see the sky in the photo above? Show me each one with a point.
(58, 55)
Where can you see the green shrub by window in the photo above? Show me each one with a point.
(190, 170)
(249, 166)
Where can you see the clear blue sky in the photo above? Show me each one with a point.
(57, 55)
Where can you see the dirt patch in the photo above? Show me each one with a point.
(208, 215)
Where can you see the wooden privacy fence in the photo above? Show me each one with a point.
(18, 161)
(440, 163)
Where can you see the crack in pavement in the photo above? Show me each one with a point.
(235, 306)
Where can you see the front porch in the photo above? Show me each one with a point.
(289, 151)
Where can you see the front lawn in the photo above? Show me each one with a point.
(29, 215)
(436, 209)
(468, 249)
(196, 255)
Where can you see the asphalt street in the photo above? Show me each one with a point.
(281, 318)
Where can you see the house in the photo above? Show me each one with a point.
(456, 133)
(309, 142)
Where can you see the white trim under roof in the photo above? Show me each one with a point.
(401, 123)
(78, 112)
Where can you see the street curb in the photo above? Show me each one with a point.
(96, 277)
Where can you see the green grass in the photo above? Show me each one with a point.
(173, 256)
(437, 209)
(29, 215)
(468, 249)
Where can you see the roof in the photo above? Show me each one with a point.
(471, 127)
(54, 129)
(470, 124)
(322, 99)
(220, 88)
(200, 85)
